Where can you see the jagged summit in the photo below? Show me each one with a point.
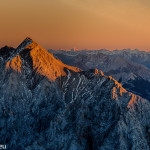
(30, 53)
(28, 39)
(27, 43)
(80, 110)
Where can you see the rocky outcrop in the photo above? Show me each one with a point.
(134, 76)
(74, 110)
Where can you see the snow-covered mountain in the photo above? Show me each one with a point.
(31, 55)
(133, 76)
(47, 105)
(137, 56)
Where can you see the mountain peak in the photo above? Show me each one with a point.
(27, 43)
(28, 39)
(40, 60)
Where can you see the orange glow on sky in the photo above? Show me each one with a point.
(90, 24)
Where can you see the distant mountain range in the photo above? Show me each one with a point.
(131, 68)
(48, 105)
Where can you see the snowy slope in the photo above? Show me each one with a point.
(76, 110)
(128, 73)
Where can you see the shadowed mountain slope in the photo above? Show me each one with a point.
(47, 105)
(133, 76)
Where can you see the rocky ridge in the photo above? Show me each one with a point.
(45, 104)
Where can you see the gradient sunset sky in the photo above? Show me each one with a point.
(84, 24)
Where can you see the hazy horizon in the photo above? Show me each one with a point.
(77, 49)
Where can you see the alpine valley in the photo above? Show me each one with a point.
(48, 105)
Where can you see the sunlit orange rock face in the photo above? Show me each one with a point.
(15, 64)
(117, 88)
(44, 63)
(133, 100)
(97, 72)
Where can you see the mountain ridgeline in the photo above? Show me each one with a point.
(131, 68)
(48, 105)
